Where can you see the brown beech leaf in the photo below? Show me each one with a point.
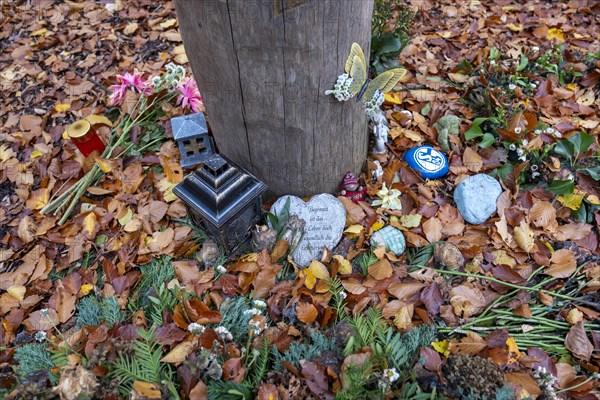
(578, 343)
(405, 291)
(472, 344)
(431, 296)
(433, 230)
(562, 265)
(179, 353)
(472, 160)
(382, 269)
(306, 312)
(316, 379)
(147, 390)
(543, 215)
(525, 381)
(524, 236)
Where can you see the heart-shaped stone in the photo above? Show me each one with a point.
(325, 217)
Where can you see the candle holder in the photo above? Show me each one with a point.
(224, 199)
(85, 137)
(191, 134)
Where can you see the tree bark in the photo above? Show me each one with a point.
(262, 67)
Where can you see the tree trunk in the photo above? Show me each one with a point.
(262, 67)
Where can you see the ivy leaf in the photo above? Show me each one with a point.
(473, 132)
(594, 172)
(487, 140)
(581, 141)
(559, 187)
(564, 148)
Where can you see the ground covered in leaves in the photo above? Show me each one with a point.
(116, 303)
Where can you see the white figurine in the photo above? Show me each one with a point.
(380, 131)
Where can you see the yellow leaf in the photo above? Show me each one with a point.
(106, 165)
(17, 291)
(441, 347)
(168, 23)
(179, 353)
(36, 154)
(39, 32)
(513, 349)
(572, 200)
(126, 218)
(514, 28)
(593, 199)
(393, 98)
(319, 270)
(85, 289)
(309, 278)
(98, 119)
(89, 224)
(377, 225)
(344, 265)
(555, 33)
(130, 28)
(573, 86)
(354, 229)
(574, 316)
(410, 221)
(61, 107)
(147, 389)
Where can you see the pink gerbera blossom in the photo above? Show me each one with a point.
(190, 96)
(133, 81)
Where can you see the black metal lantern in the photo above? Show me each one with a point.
(191, 134)
(224, 199)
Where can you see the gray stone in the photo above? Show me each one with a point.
(476, 196)
(391, 238)
(325, 217)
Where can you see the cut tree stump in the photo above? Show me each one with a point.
(262, 68)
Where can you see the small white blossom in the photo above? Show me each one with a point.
(512, 147)
(44, 312)
(195, 328)
(512, 86)
(341, 88)
(254, 327)
(525, 142)
(518, 130)
(260, 304)
(391, 374)
(557, 134)
(221, 269)
(538, 131)
(533, 85)
(535, 175)
(40, 336)
(493, 62)
(343, 295)
(535, 49)
(534, 167)
(550, 131)
(523, 158)
(253, 311)
(224, 333)
(372, 105)
(519, 152)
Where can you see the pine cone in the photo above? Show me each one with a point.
(449, 255)
(465, 374)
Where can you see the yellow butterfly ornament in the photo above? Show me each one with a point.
(355, 82)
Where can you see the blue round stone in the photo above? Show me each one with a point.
(431, 163)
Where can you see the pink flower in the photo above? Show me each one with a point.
(134, 81)
(190, 96)
(118, 94)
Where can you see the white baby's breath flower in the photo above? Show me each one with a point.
(557, 134)
(391, 374)
(221, 269)
(519, 152)
(523, 158)
(260, 304)
(343, 295)
(254, 327)
(40, 336)
(533, 85)
(538, 131)
(224, 333)
(253, 311)
(549, 130)
(512, 86)
(512, 147)
(525, 142)
(195, 328)
(518, 129)
(493, 62)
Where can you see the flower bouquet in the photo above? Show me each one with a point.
(142, 104)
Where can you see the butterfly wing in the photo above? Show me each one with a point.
(384, 82)
(356, 67)
(355, 51)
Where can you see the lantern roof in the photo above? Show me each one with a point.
(219, 189)
(187, 126)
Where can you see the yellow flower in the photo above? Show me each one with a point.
(389, 198)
